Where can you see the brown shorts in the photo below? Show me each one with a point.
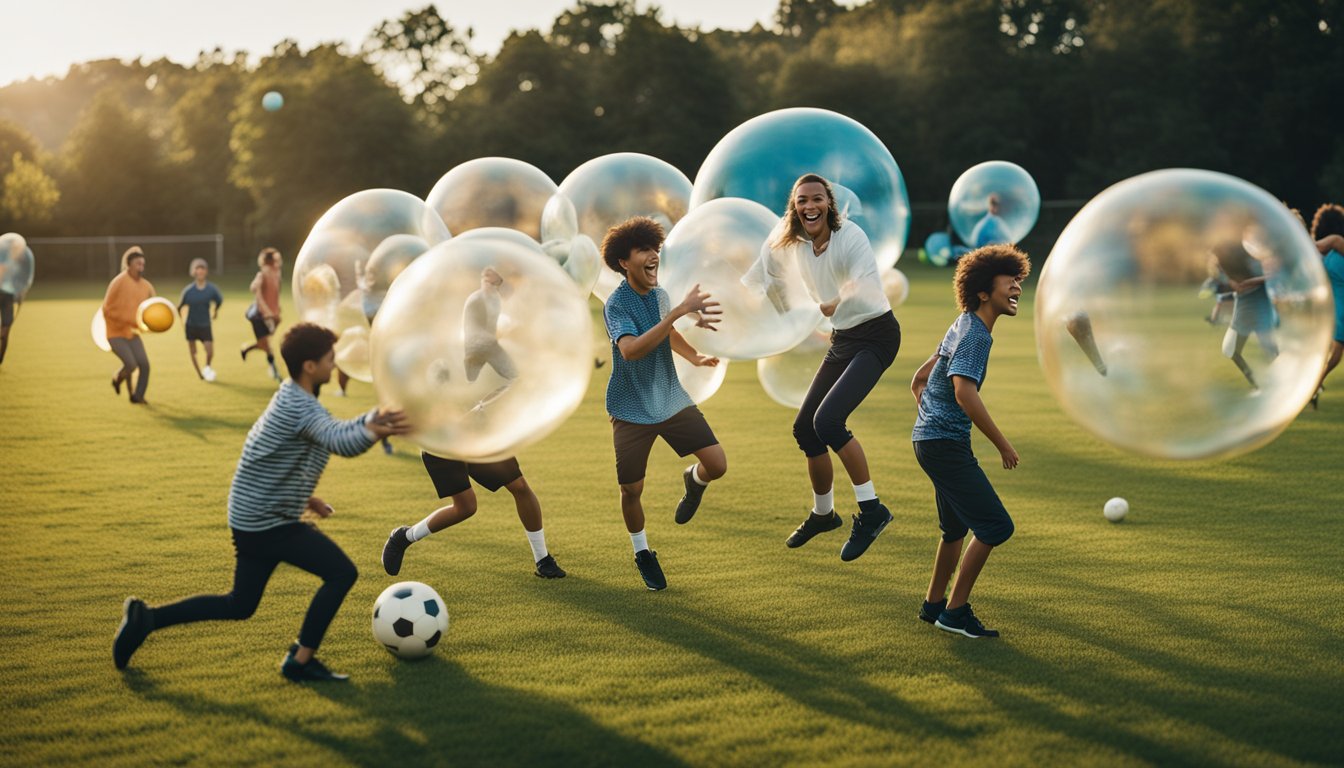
(686, 432)
(452, 477)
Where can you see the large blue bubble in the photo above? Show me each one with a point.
(1003, 186)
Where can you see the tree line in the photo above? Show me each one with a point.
(1082, 93)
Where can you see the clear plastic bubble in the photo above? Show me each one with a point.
(561, 240)
(896, 286)
(16, 264)
(786, 377)
(715, 246)
(98, 331)
(485, 344)
(699, 381)
(1004, 187)
(1122, 332)
(607, 190)
(506, 234)
(760, 159)
(492, 192)
(387, 261)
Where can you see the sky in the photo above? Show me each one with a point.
(43, 37)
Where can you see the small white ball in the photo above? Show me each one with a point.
(1116, 509)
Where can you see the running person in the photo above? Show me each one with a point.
(1252, 310)
(453, 478)
(198, 297)
(644, 398)
(264, 313)
(1327, 229)
(121, 304)
(838, 266)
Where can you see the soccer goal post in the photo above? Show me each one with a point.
(78, 258)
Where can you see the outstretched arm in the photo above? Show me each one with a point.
(683, 347)
(635, 347)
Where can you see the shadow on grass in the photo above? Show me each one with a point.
(196, 423)
(433, 712)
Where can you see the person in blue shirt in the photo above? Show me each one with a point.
(947, 386)
(644, 397)
(992, 229)
(1327, 229)
(197, 298)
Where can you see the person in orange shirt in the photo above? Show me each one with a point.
(265, 310)
(124, 295)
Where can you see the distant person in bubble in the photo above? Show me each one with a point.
(1218, 288)
(1252, 311)
(840, 272)
(120, 307)
(264, 313)
(991, 230)
(480, 327)
(7, 303)
(1327, 229)
(202, 300)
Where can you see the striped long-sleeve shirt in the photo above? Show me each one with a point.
(284, 456)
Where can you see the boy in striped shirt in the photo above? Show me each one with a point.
(283, 458)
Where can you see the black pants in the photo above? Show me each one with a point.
(856, 360)
(132, 354)
(298, 544)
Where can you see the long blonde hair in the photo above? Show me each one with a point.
(792, 231)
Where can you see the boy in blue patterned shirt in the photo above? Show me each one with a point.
(988, 284)
(644, 397)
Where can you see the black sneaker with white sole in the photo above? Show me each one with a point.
(313, 671)
(928, 613)
(548, 569)
(691, 501)
(867, 525)
(646, 560)
(962, 621)
(395, 549)
(814, 524)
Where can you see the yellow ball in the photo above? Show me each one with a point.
(156, 315)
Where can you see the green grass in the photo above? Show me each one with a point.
(1203, 630)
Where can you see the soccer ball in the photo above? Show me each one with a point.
(1115, 509)
(155, 314)
(409, 619)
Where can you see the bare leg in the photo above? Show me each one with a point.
(713, 463)
(209, 353)
(632, 509)
(529, 508)
(820, 472)
(463, 507)
(191, 347)
(856, 463)
(977, 552)
(944, 563)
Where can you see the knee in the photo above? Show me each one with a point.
(242, 608)
(714, 468)
(830, 430)
(519, 487)
(630, 492)
(806, 437)
(344, 577)
(999, 534)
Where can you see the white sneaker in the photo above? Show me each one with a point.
(208, 373)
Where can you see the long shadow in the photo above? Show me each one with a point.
(434, 713)
(197, 424)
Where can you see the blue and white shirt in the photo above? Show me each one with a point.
(643, 391)
(284, 455)
(964, 351)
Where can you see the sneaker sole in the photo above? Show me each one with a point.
(956, 631)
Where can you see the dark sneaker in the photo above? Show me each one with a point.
(813, 525)
(928, 612)
(962, 621)
(548, 569)
(314, 671)
(867, 525)
(691, 501)
(646, 560)
(243, 350)
(394, 550)
(116, 386)
(136, 624)
(387, 447)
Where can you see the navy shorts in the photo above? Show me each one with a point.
(260, 328)
(200, 333)
(6, 309)
(966, 500)
(451, 476)
(686, 432)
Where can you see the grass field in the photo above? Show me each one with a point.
(1203, 630)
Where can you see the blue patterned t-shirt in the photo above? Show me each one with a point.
(964, 351)
(643, 391)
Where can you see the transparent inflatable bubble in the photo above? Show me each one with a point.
(98, 331)
(16, 264)
(938, 249)
(505, 234)
(760, 159)
(337, 281)
(1123, 334)
(577, 253)
(994, 202)
(352, 338)
(896, 286)
(700, 381)
(485, 344)
(492, 192)
(786, 377)
(607, 190)
(716, 246)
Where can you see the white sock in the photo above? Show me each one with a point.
(695, 475)
(864, 492)
(419, 531)
(823, 503)
(538, 541)
(640, 541)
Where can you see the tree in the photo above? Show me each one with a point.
(425, 56)
(114, 175)
(30, 195)
(14, 142)
(202, 124)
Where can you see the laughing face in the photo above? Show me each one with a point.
(641, 269)
(1003, 298)
(811, 203)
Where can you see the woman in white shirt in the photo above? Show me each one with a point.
(838, 267)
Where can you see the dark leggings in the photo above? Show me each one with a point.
(298, 544)
(837, 389)
(132, 354)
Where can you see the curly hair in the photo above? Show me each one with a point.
(976, 272)
(267, 256)
(793, 226)
(633, 234)
(304, 342)
(1328, 220)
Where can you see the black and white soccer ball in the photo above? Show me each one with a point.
(409, 619)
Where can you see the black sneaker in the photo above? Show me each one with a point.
(313, 671)
(136, 624)
(394, 550)
(691, 501)
(548, 569)
(867, 525)
(962, 621)
(813, 525)
(928, 612)
(646, 560)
